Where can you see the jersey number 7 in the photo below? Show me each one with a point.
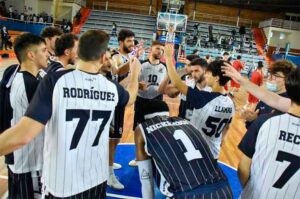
(84, 116)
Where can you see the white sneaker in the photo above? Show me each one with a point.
(132, 163)
(116, 166)
(114, 183)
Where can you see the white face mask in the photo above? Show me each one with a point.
(271, 87)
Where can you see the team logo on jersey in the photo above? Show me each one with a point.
(161, 70)
(145, 175)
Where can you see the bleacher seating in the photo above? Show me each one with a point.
(142, 25)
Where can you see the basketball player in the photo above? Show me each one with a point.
(171, 91)
(77, 107)
(66, 51)
(257, 78)
(212, 110)
(269, 167)
(198, 67)
(153, 80)
(238, 65)
(270, 98)
(119, 74)
(183, 164)
(278, 71)
(50, 34)
(25, 164)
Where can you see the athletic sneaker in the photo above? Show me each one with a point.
(132, 163)
(116, 166)
(114, 183)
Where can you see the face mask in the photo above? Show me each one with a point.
(271, 87)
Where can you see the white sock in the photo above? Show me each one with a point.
(111, 170)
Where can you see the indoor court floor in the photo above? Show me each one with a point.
(230, 155)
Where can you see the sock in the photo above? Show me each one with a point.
(111, 170)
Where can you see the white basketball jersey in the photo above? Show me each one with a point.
(275, 163)
(153, 75)
(212, 112)
(81, 107)
(29, 157)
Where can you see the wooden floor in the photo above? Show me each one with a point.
(229, 152)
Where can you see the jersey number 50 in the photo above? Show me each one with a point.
(216, 126)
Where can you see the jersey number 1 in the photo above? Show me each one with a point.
(84, 116)
(191, 153)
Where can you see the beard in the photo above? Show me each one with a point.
(156, 56)
(201, 79)
(126, 49)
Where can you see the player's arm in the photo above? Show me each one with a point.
(144, 166)
(163, 85)
(174, 77)
(133, 84)
(171, 91)
(244, 169)
(268, 97)
(120, 68)
(19, 135)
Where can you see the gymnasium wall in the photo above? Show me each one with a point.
(290, 36)
(255, 16)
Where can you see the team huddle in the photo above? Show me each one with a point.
(60, 124)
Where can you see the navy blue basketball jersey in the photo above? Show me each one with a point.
(54, 66)
(181, 156)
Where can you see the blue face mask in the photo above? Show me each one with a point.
(271, 87)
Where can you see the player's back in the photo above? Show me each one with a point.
(211, 114)
(276, 161)
(76, 137)
(182, 157)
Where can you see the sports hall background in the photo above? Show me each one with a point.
(271, 31)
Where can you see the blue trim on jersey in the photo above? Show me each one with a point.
(40, 108)
(198, 98)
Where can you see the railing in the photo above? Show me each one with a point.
(113, 6)
(78, 2)
(280, 23)
(237, 21)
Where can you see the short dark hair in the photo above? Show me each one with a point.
(292, 85)
(66, 41)
(215, 68)
(192, 57)
(92, 45)
(225, 53)
(207, 56)
(239, 57)
(24, 42)
(283, 66)
(125, 33)
(260, 64)
(50, 32)
(199, 62)
(195, 50)
(157, 43)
